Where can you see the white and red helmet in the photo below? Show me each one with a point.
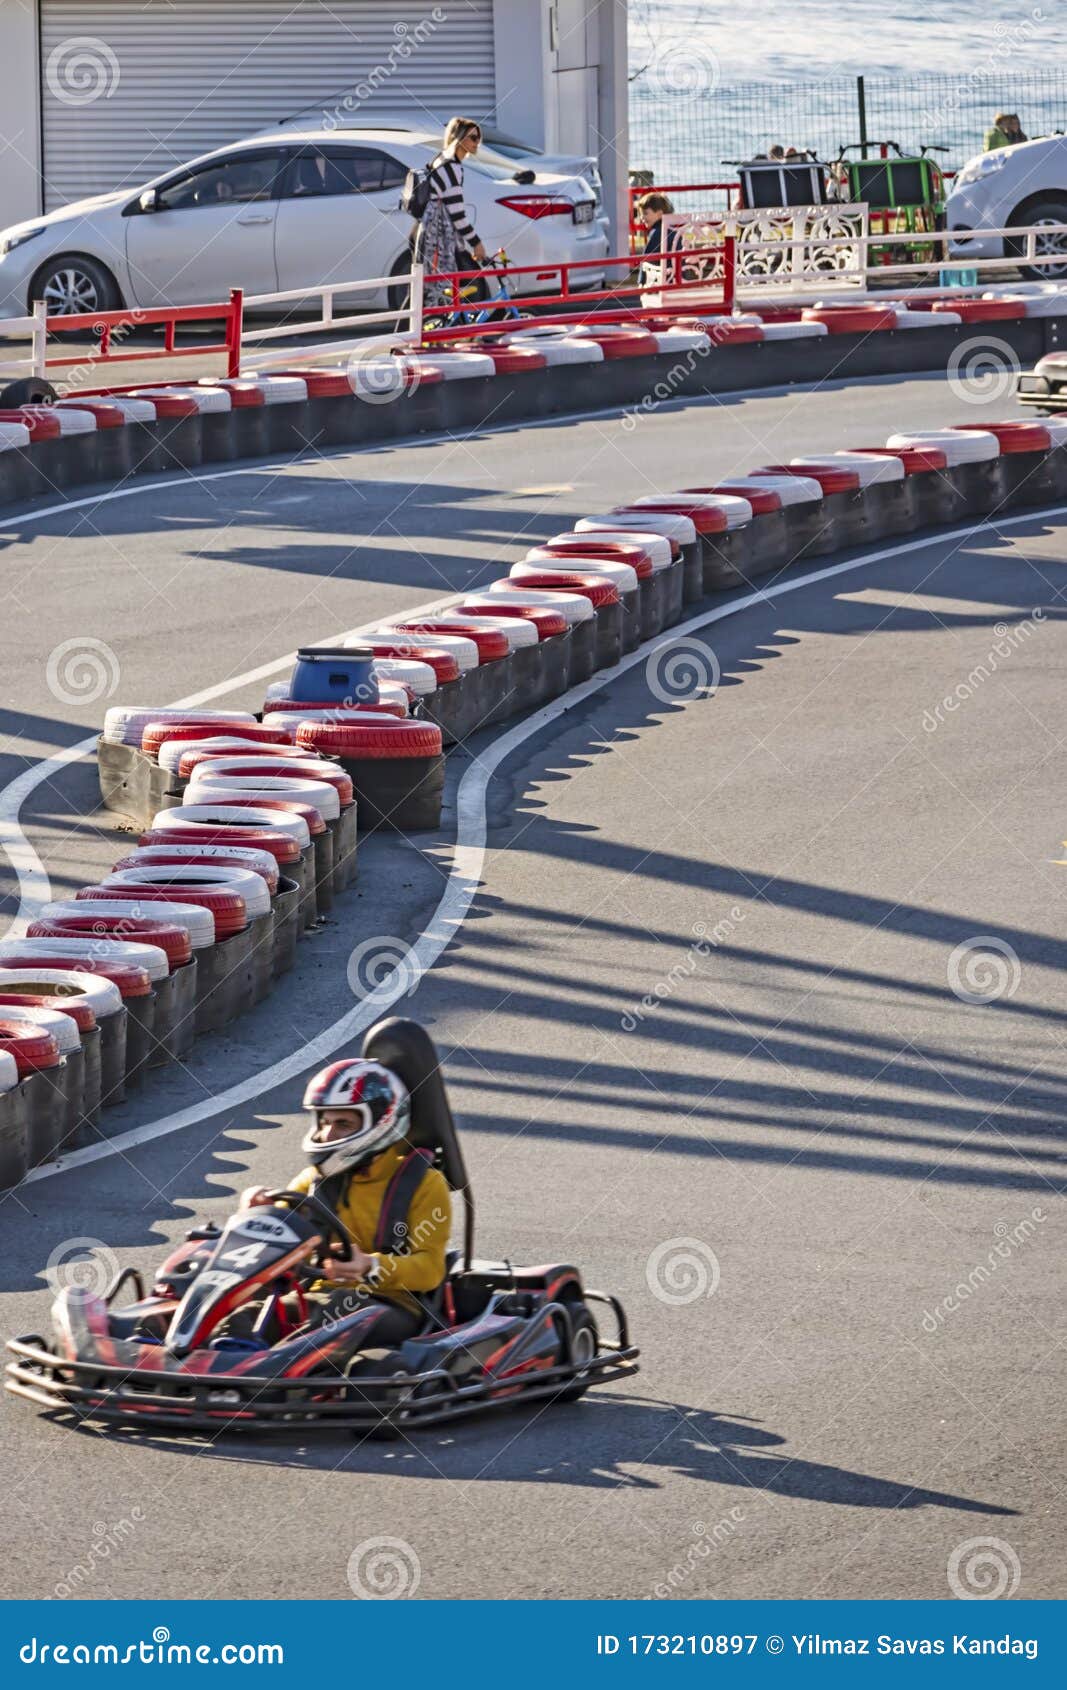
(381, 1105)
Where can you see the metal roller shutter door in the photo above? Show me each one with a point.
(156, 82)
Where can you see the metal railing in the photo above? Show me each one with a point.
(109, 327)
(458, 284)
(329, 319)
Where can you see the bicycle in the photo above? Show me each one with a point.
(496, 308)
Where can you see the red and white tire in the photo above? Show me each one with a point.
(315, 793)
(307, 767)
(198, 818)
(390, 740)
(571, 606)
(209, 856)
(101, 996)
(960, 446)
(196, 879)
(198, 922)
(124, 724)
(64, 942)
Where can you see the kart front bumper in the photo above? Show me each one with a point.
(219, 1402)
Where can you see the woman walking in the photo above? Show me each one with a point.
(445, 240)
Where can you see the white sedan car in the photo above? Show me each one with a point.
(1012, 186)
(283, 212)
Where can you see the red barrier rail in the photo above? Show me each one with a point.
(669, 263)
(106, 323)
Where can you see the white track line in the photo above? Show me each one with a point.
(466, 872)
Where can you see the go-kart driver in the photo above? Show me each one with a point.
(356, 1145)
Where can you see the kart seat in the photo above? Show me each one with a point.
(407, 1049)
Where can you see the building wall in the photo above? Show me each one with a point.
(578, 104)
(20, 120)
(560, 83)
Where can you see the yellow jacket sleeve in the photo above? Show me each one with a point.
(421, 1267)
(303, 1181)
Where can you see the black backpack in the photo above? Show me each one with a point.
(417, 190)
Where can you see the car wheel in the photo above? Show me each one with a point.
(1051, 214)
(399, 297)
(585, 1343)
(71, 284)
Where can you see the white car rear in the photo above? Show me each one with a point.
(294, 210)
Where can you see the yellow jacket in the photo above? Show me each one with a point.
(429, 1223)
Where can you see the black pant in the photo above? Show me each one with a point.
(394, 1323)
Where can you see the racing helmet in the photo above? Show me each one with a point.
(380, 1101)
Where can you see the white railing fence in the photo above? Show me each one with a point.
(33, 329)
(330, 319)
(794, 254)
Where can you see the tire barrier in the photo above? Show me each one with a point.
(397, 772)
(256, 834)
(34, 1118)
(181, 426)
(56, 1115)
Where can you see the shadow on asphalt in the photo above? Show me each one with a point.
(844, 1110)
(603, 1439)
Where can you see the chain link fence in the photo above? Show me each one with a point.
(685, 122)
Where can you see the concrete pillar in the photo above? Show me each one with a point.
(612, 141)
(522, 57)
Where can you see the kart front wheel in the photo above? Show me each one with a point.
(585, 1342)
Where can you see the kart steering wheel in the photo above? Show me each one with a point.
(335, 1232)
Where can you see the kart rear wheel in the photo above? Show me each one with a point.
(584, 1345)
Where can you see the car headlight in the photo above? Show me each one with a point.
(10, 242)
(981, 167)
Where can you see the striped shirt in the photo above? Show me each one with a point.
(446, 181)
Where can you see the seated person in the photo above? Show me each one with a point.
(651, 210)
(362, 1166)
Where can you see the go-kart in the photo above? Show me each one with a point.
(493, 1334)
